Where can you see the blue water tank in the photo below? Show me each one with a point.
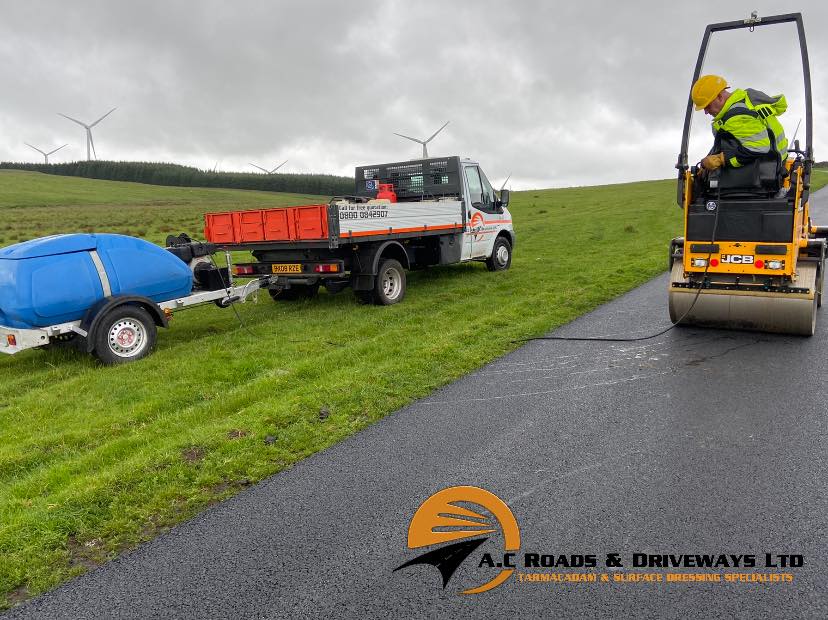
(54, 279)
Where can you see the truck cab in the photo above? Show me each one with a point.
(486, 213)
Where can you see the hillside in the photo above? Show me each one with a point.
(156, 173)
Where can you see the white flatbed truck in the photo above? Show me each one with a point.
(440, 211)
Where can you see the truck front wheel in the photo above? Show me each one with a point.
(501, 258)
(390, 283)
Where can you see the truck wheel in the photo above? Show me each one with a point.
(501, 258)
(125, 334)
(295, 292)
(390, 283)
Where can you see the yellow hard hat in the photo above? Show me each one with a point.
(706, 89)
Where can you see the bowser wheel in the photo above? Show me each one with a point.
(125, 334)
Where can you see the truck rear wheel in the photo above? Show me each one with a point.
(389, 287)
(501, 258)
(125, 334)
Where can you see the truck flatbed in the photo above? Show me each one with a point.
(341, 222)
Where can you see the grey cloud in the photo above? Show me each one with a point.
(554, 93)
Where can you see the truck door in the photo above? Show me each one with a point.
(480, 206)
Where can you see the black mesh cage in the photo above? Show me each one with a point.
(412, 180)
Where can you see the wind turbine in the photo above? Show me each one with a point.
(90, 144)
(45, 155)
(502, 187)
(423, 142)
(269, 171)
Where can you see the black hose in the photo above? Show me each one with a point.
(666, 329)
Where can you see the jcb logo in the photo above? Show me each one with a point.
(737, 259)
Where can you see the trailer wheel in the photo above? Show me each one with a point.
(501, 258)
(390, 283)
(295, 293)
(125, 334)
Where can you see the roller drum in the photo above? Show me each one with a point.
(785, 313)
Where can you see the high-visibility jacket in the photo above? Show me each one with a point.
(746, 128)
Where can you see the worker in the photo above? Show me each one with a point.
(745, 127)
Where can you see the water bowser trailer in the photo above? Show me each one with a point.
(106, 294)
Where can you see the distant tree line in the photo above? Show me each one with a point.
(187, 176)
(821, 164)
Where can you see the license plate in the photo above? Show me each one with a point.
(287, 268)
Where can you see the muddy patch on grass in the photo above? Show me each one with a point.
(87, 554)
(228, 485)
(193, 454)
(18, 595)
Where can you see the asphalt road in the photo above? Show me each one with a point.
(698, 441)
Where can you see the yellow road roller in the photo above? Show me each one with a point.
(750, 258)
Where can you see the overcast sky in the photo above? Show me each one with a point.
(555, 93)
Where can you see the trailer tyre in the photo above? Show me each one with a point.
(125, 334)
(390, 283)
(501, 258)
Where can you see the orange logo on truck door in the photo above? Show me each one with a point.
(476, 225)
(443, 518)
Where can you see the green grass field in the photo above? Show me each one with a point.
(94, 460)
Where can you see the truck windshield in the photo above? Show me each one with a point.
(488, 192)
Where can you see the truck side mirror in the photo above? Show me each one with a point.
(504, 198)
